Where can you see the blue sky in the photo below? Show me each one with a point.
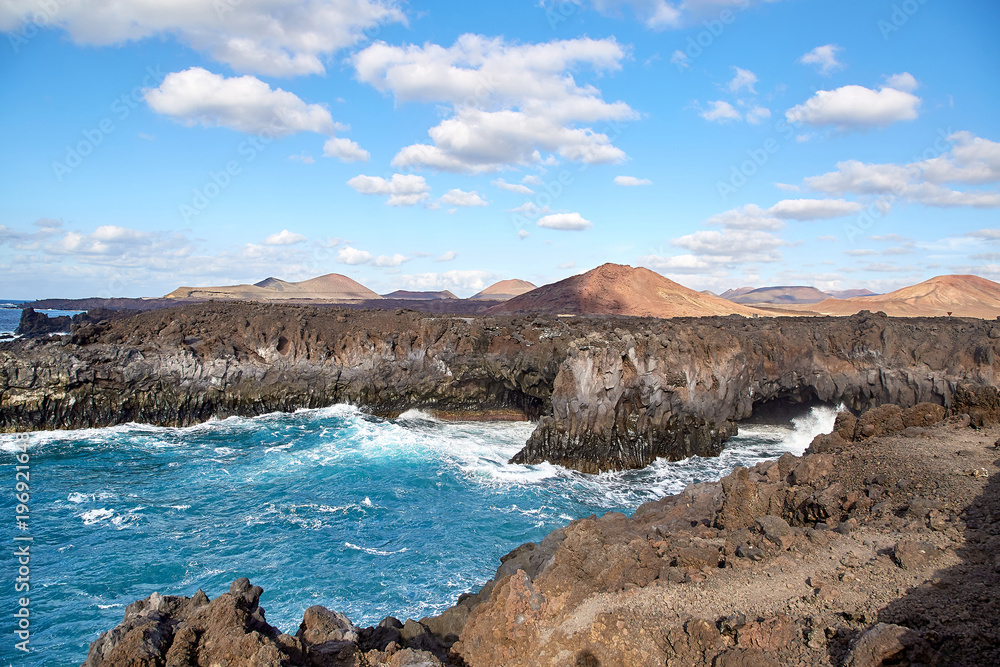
(432, 145)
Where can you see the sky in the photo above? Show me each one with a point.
(425, 145)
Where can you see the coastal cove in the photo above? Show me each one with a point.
(368, 516)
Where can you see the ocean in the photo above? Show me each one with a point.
(366, 516)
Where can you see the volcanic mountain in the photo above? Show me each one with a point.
(961, 296)
(780, 295)
(851, 293)
(419, 296)
(504, 290)
(331, 288)
(614, 289)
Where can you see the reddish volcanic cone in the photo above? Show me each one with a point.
(614, 289)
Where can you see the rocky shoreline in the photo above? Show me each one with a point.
(607, 392)
(877, 547)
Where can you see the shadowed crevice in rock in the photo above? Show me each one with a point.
(956, 615)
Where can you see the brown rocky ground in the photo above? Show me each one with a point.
(878, 547)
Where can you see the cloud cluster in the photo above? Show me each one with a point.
(971, 160)
(196, 96)
(402, 189)
(511, 104)
(271, 37)
(721, 111)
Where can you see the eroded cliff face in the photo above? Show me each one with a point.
(609, 393)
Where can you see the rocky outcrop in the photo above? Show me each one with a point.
(609, 393)
(231, 630)
(866, 551)
(39, 324)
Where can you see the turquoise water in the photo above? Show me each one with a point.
(362, 515)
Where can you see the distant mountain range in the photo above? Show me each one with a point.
(419, 296)
(614, 289)
(331, 288)
(788, 295)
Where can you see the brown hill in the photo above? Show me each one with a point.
(331, 288)
(780, 295)
(419, 296)
(962, 296)
(739, 291)
(851, 293)
(614, 289)
(504, 290)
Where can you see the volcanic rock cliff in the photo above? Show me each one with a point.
(609, 393)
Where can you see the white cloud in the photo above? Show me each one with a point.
(353, 256)
(757, 115)
(271, 37)
(905, 82)
(744, 78)
(971, 160)
(345, 150)
(196, 96)
(48, 223)
(390, 260)
(678, 264)
(565, 221)
(245, 103)
(402, 189)
(721, 111)
(856, 107)
(513, 187)
(750, 216)
(447, 257)
(825, 59)
(680, 59)
(733, 246)
(631, 181)
(456, 197)
(523, 234)
(510, 102)
(532, 179)
(284, 237)
(302, 157)
(753, 217)
(566, 265)
(813, 209)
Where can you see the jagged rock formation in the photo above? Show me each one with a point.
(878, 547)
(610, 393)
(231, 630)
